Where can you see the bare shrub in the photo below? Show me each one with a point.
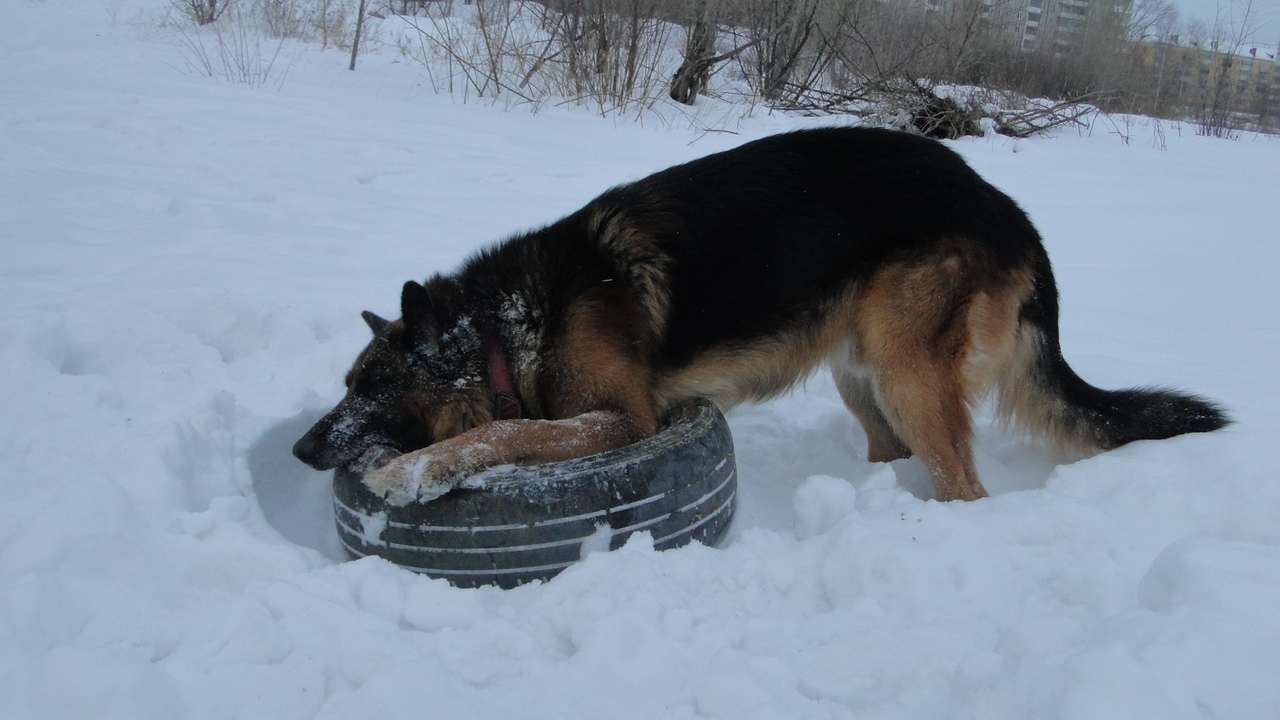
(203, 12)
(477, 54)
(332, 23)
(610, 51)
(282, 18)
(604, 53)
(245, 43)
(231, 49)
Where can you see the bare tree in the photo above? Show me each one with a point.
(1152, 20)
(601, 52)
(779, 31)
(1219, 87)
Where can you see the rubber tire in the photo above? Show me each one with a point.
(529, 523)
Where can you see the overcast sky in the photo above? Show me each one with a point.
(1267, 12)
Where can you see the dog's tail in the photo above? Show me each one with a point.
(1042, 394)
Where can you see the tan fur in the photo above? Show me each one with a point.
(911, 349)
(642, 262)
(992, 328)
(937, 334)
(858, 393)
(738, 373)
(733, 375)
(1028, 407)
(429, 472)
(602, 370)
(910, 335)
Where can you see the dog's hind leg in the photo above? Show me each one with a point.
(912, 334)
(883, 445)
(925, 408)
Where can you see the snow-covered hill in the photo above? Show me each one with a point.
(182, 264)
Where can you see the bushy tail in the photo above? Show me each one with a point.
(1042, 394)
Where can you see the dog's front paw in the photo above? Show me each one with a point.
(374, 457)
(417, 476)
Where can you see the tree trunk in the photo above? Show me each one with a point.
(694, 73)
(355, 44)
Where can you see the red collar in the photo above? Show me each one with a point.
(506, 406)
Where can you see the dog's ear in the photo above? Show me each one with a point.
(420, 318)
(376, 324)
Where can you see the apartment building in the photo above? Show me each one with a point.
(1062, 22)
(1032, 23)
(1243, 79)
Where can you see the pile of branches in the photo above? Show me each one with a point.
(941, 113)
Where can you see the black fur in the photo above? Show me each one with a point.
(765, 233)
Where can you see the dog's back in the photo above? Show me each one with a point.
(756, 239)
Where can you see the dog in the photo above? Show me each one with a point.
(879, 254)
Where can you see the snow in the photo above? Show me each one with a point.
(184, 262)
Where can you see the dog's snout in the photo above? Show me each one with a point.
(305, 448)
(309, 451)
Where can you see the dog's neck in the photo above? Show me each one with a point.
(506, 406)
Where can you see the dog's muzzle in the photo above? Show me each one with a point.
(315, 453)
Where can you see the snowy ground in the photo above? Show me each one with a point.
(183, 264)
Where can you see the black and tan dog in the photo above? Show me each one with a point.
(879, 254)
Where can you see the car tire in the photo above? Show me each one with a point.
(529, 523)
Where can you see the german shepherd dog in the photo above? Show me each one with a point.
(733, 277)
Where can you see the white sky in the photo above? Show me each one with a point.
(1266, 11)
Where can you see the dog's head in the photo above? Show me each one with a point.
(419, 381)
